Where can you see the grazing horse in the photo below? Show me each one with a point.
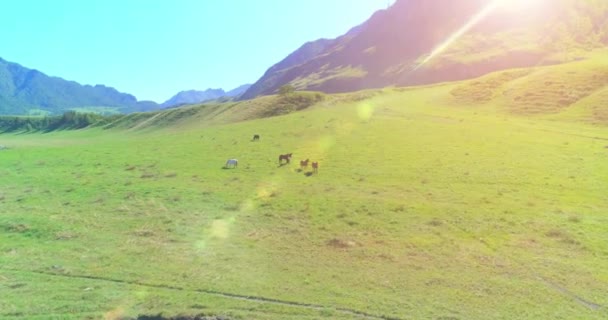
(256, 137)
(304, 163)
(286, 157)
(315, 167)
(232, 162)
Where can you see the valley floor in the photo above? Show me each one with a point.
(424, 207)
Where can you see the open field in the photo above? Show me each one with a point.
(428, 205)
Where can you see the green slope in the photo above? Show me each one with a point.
(573, 91)
(426, 206)
(23, 90)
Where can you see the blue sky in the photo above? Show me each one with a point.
(155, 48)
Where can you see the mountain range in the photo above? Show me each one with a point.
(196, 96)
(418, 42)
(24, 90)
(29, 91)
(413, 42)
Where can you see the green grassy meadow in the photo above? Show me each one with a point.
(453, 201)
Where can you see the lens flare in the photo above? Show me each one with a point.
(521, 4)
(326, 142)
(220, 228)
(534, 7)
(219, 231)
(365, 111)
(487, 10)
(114, 314)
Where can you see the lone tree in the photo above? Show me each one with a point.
(286, 89)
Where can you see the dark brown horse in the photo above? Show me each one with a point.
(286, 157)
(304, 163)
(256, 137)
(315, 167)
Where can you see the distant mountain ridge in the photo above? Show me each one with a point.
(274, 77)
(388, 48)
(196, 96)
(23, 89)
(238, 91)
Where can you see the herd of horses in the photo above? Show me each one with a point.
(304, 165)
(233, 163)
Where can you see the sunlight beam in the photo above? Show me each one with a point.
(491, 7)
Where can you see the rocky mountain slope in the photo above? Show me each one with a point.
(427, 41)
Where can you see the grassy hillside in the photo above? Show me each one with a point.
(442, 41)
(428, 204)
(211, 113)
(573, 91)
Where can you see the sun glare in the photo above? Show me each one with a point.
(524, 6)
(520, 4)
(493, 5)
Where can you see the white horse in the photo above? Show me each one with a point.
(232, 162)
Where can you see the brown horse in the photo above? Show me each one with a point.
(304, 163)
(286, 157)
(315, 167)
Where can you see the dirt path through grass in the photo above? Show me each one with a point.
(582, 301)
(229, 295)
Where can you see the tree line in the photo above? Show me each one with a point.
(70, 120)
